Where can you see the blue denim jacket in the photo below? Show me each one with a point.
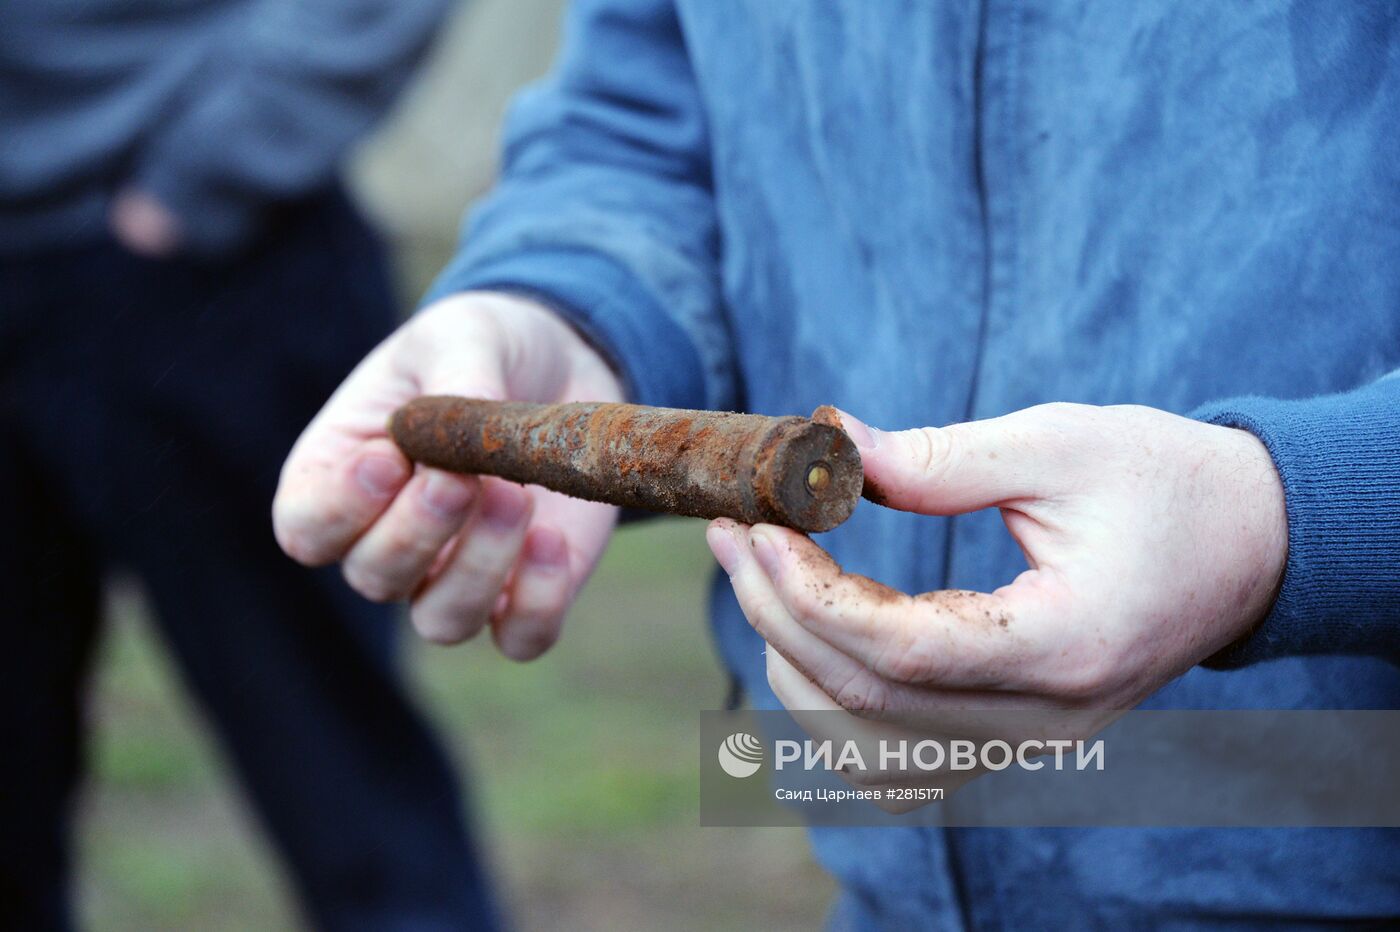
(925, 212)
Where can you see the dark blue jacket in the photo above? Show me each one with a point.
(219, 108)
(926, 212)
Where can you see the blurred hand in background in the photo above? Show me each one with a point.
(144, 225)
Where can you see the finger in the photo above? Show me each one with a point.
(843, 679)
(325, 498)
(391, 558)
(321, 509)
(824, 721)
(951, 639)
(587, 526)
(926, 708)
(796, 691)
(539, 596)
(528, 622)
(959, 468)
(456, 603)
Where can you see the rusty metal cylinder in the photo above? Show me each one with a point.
(804, 473)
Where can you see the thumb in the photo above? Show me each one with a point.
(949, 470)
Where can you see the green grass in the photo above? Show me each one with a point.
(581, 765)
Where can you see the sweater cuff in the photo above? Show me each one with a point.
(1337, 457)
(654, 355)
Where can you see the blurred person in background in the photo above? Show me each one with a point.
(182, 283)
(1181, 217)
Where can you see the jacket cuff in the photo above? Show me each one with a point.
(1339, 459)
(656, 358)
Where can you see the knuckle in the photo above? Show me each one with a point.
(780, 673)
(905, 667)
(863, 695)
(301, 536)
(543, 602)
(405, 542)
(904, 658)
(931, 449)
(803, 603)
(456, 605)
(441, 627)
(484, 563)
(760, 614)
(436, 631)
(551, 608)
(469, 609)
(458, 624)
(1066, 410)
(774, 676)
(1128, 412)
(299, 547)
(371, 584)
(1065, 424)
(1064, 413)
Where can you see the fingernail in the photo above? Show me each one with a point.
(523, 644)
(447, 496)
(505, 509)
(765, 551)
(723, 545)
(547, 549)
(380, 476)
(863, 437)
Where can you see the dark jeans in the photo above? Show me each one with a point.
(145, 409)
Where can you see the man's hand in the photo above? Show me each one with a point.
(1153, 541)
(466, 552)
(144, 225)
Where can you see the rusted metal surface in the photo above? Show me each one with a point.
(804, 473)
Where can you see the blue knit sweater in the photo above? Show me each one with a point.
(219, 108)
(928, 212)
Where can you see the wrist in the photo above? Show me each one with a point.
(1253, 497)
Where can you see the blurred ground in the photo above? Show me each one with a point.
(582, 764)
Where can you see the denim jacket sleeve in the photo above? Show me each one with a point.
(282, 92)
(604, 209)
(1339, 459)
